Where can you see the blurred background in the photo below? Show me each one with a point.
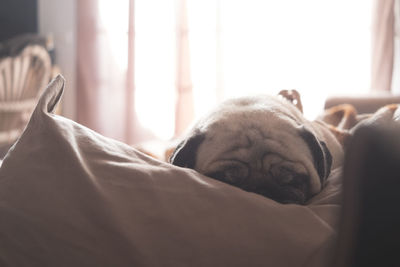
(140, 70)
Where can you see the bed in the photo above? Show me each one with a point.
(71, 197)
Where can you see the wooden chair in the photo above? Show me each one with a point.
(22, 79)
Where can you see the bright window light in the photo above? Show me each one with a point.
(318, 47)
(242, 47)
(155, 65)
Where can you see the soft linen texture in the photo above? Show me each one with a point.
(71, 197)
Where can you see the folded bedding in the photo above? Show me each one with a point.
(71, 197)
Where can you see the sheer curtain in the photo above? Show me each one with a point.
(147, 68)
(134, 79)
(106, 69)
(102, 65)
(382, 45)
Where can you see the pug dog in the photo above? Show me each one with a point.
(262, 144)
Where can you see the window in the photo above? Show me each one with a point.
(240, 47)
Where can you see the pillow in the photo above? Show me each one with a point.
(71, 197)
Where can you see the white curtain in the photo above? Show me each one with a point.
(382, 45)
(185, 56)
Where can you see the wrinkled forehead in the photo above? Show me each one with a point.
(247, 137)
(240, 114)
(267, 122)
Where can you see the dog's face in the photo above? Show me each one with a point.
(259, 144)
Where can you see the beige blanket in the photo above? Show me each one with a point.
(71, 197)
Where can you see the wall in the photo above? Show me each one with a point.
(58, 18)
(17, 17)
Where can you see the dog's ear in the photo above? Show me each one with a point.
(185, 153)
(320, 152)
(293, 96)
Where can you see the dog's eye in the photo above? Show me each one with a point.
(300, 180)
(231, 173)
(236, 174)
(218, 175)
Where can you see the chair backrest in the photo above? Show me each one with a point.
(22, 79)
(369, 231)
